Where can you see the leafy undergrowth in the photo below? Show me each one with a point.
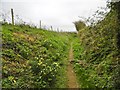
(97, 54)
(92, 75)
(33, 58)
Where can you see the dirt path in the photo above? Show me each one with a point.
(72, 82)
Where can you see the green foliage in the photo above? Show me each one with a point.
(35, 58)
(97, 62)
(32, 58)
(79, 25)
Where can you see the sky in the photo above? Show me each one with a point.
(56, 13)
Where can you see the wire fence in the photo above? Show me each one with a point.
(6, 17)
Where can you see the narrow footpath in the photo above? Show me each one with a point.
(72, 82)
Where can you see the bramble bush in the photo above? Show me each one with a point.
(100, 53)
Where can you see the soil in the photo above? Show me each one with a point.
(72, 82)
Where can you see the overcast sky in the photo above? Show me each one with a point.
(58, 13)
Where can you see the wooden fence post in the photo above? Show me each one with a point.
(57, 29)
(51, 28)
(40, 24)
(12, 13)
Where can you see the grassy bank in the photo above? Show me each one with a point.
(33, 58)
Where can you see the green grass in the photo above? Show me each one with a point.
(37, 58)
(33, 58)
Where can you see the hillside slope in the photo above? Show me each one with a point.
(33, 58)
